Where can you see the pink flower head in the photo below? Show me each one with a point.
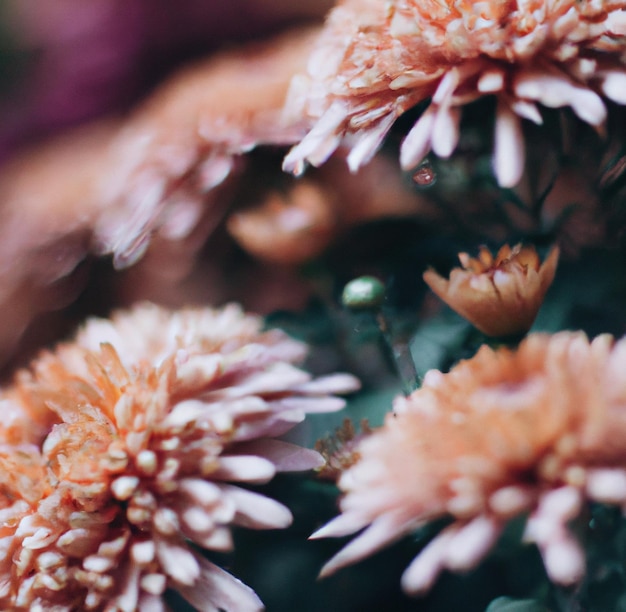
(375, 60)
(535, 430)
(154, 430)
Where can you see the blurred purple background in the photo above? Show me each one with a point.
(63, 62)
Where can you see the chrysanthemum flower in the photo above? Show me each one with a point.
(377, 59)
(189, 137)
(149, 437)
(500, 295)
(536, 430)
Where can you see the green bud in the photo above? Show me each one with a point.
(363, 293)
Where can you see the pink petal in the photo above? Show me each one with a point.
(310, 405)
(445, 135)
(417, 142)
(614, 86)
(181, 216)
(178, 562)
(129, 589)
(509, 151)
(286, 457)
(202, 492)
(335, 383)
(616, 22)
(199, 369)
(511, 500)
(219, 538)
(257, 511)
(183, 413)
(561, 504)
(471, 543)
(151, 603)
(491, 81)
(320, 143)
(384, 530)
(564, 560)
(270, 427)
(527, 110)
(556, 91)
(244, 469)
(426, 567)
(217, 590)
(279, 377)
(446, 87)
(340, 526)
(214, 171)
(607, 486)
(369, 142)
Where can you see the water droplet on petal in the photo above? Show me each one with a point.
(425, 175)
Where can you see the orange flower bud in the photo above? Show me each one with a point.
(499, 295)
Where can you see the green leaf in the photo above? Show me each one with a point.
(508, 604)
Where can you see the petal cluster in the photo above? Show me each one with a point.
(189, 138)
(158, 416)
(536, 430)
(375, 60)
(500, 295)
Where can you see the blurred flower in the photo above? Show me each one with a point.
(538, 429)
(109, 187)
(375, 60)
(162, 180)
(189, 137)
(298, 225)
(499, 295)
(287, 228)
(47, 214)
(149, 436)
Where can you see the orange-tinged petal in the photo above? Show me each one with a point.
(500, 296)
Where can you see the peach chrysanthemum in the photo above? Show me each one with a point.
(189, 137)
(500, 295)
(152, 429)
(377, 59)
(539, 429)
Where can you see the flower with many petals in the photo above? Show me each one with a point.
(500, 295)
(377, 59)
(152, 429)
(188, 138)
(535, 430)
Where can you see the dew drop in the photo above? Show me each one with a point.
(425, 175)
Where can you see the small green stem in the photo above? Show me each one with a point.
(368, 293)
